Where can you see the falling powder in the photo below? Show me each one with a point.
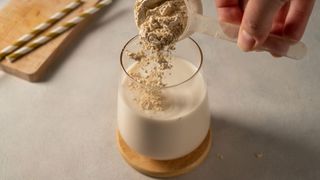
(161, 23)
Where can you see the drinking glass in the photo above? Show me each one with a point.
(184, 124)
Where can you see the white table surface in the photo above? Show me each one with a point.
(64, 128)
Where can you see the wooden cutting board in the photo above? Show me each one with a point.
(21, 16)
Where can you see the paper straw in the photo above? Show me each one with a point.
(40, 28)
(57, 31)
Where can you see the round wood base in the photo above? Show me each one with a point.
(166, 168)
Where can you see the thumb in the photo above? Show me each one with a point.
(257, 22)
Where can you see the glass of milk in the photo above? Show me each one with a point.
(183, 125)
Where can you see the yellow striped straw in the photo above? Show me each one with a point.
(57, 31)
(40, 28)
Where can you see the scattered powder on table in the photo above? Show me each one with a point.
(259, 155)
(161, 23)
(220, 156)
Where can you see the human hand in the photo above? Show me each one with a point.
(259, 18)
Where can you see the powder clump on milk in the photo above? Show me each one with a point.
(161, 23)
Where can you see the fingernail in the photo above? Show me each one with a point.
(245, 41)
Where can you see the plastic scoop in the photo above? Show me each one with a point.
(198, 23)
(226, 31)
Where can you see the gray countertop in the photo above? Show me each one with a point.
(64, 128)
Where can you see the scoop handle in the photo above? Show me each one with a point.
(275, 44)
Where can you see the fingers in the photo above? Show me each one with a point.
(297, 18)
(229, 11)
(279, 21)
(257, 22)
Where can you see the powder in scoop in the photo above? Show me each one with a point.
(160, 22)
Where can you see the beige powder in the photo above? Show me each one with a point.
(161, 23)
(148, 74)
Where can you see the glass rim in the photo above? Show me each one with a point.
(165, 87)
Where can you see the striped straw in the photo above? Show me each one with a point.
(57, 31)
(40, 28)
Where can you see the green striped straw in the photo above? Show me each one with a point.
(40, 28)
(57, 31)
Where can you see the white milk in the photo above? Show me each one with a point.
(172, 133)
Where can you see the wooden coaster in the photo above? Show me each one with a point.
(167, 168)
